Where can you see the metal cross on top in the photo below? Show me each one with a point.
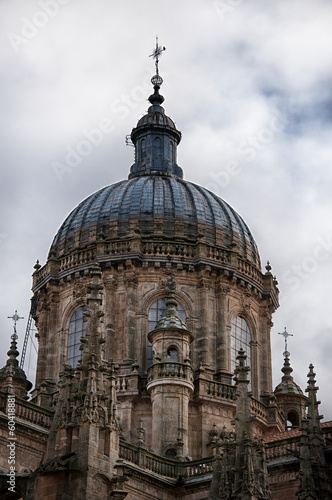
(15, 318)
(286, 335)
(157, 53)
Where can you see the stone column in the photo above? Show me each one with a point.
(203, 339)
(131, 282)
(264, 356)
(221, 340)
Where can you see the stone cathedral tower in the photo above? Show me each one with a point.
(153, 234)
(151, 289)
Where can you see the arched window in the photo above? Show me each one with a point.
(156, 312)
(157, 152)
(77, 329)
(293, 419)
(172, 354)
(240, 338)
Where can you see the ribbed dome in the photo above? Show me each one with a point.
(287, 384)
(156, 118)
(182, 210)
(155, 201)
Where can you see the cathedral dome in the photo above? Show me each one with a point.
(157, 205)
(155, 201)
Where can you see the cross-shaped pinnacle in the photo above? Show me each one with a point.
(15, 318)
(157, 53)
(286, 335)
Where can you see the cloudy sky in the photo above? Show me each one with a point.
(249, 85)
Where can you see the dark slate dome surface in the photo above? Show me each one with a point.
(171, 199)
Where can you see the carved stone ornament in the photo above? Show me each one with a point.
(79, 290)
(131, 280)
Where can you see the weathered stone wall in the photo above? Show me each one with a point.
(211, 302)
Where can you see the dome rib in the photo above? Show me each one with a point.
(103, 218)
(88, 215)
(224, 207)
(202, 191)
(140, 200)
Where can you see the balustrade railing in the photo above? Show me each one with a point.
(282, 448)
(217, 389)
(246, 268)
(170, 370)
(164, 466)
(78, 256)
(168, 248)
(130, 382)
(116, 247)
(28, 411)
(258, 408)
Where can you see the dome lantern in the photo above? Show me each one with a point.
(155, 137)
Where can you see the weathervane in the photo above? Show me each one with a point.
(157, 80)
(286, 335)
(15, 318)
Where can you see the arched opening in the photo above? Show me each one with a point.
(170, 453)
(172, 354)
(240, 338)
(293, 419)
(156, 312)
(157, 152)
(77, 328)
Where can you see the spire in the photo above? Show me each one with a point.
(13, 352)
(285, 334)
(12, 378)
(243, 415)
(93, 340)
(240, 471)
(156, 80)
(313, 413)
(314, 483)
(287, 384)
(155, 137)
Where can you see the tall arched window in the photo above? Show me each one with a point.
(156, 312)
(240, 338)
(77, 329)
(157, 152)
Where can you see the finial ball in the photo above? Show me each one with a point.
(156, 80)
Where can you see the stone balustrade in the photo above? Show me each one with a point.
(248, 269)
(163, 466)
(130, 382)
(78, 257)
(170, 370)
(168, 248)
(28, 412)
(117, 247)
(215, 389)
(282, 448)
(258, 408)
